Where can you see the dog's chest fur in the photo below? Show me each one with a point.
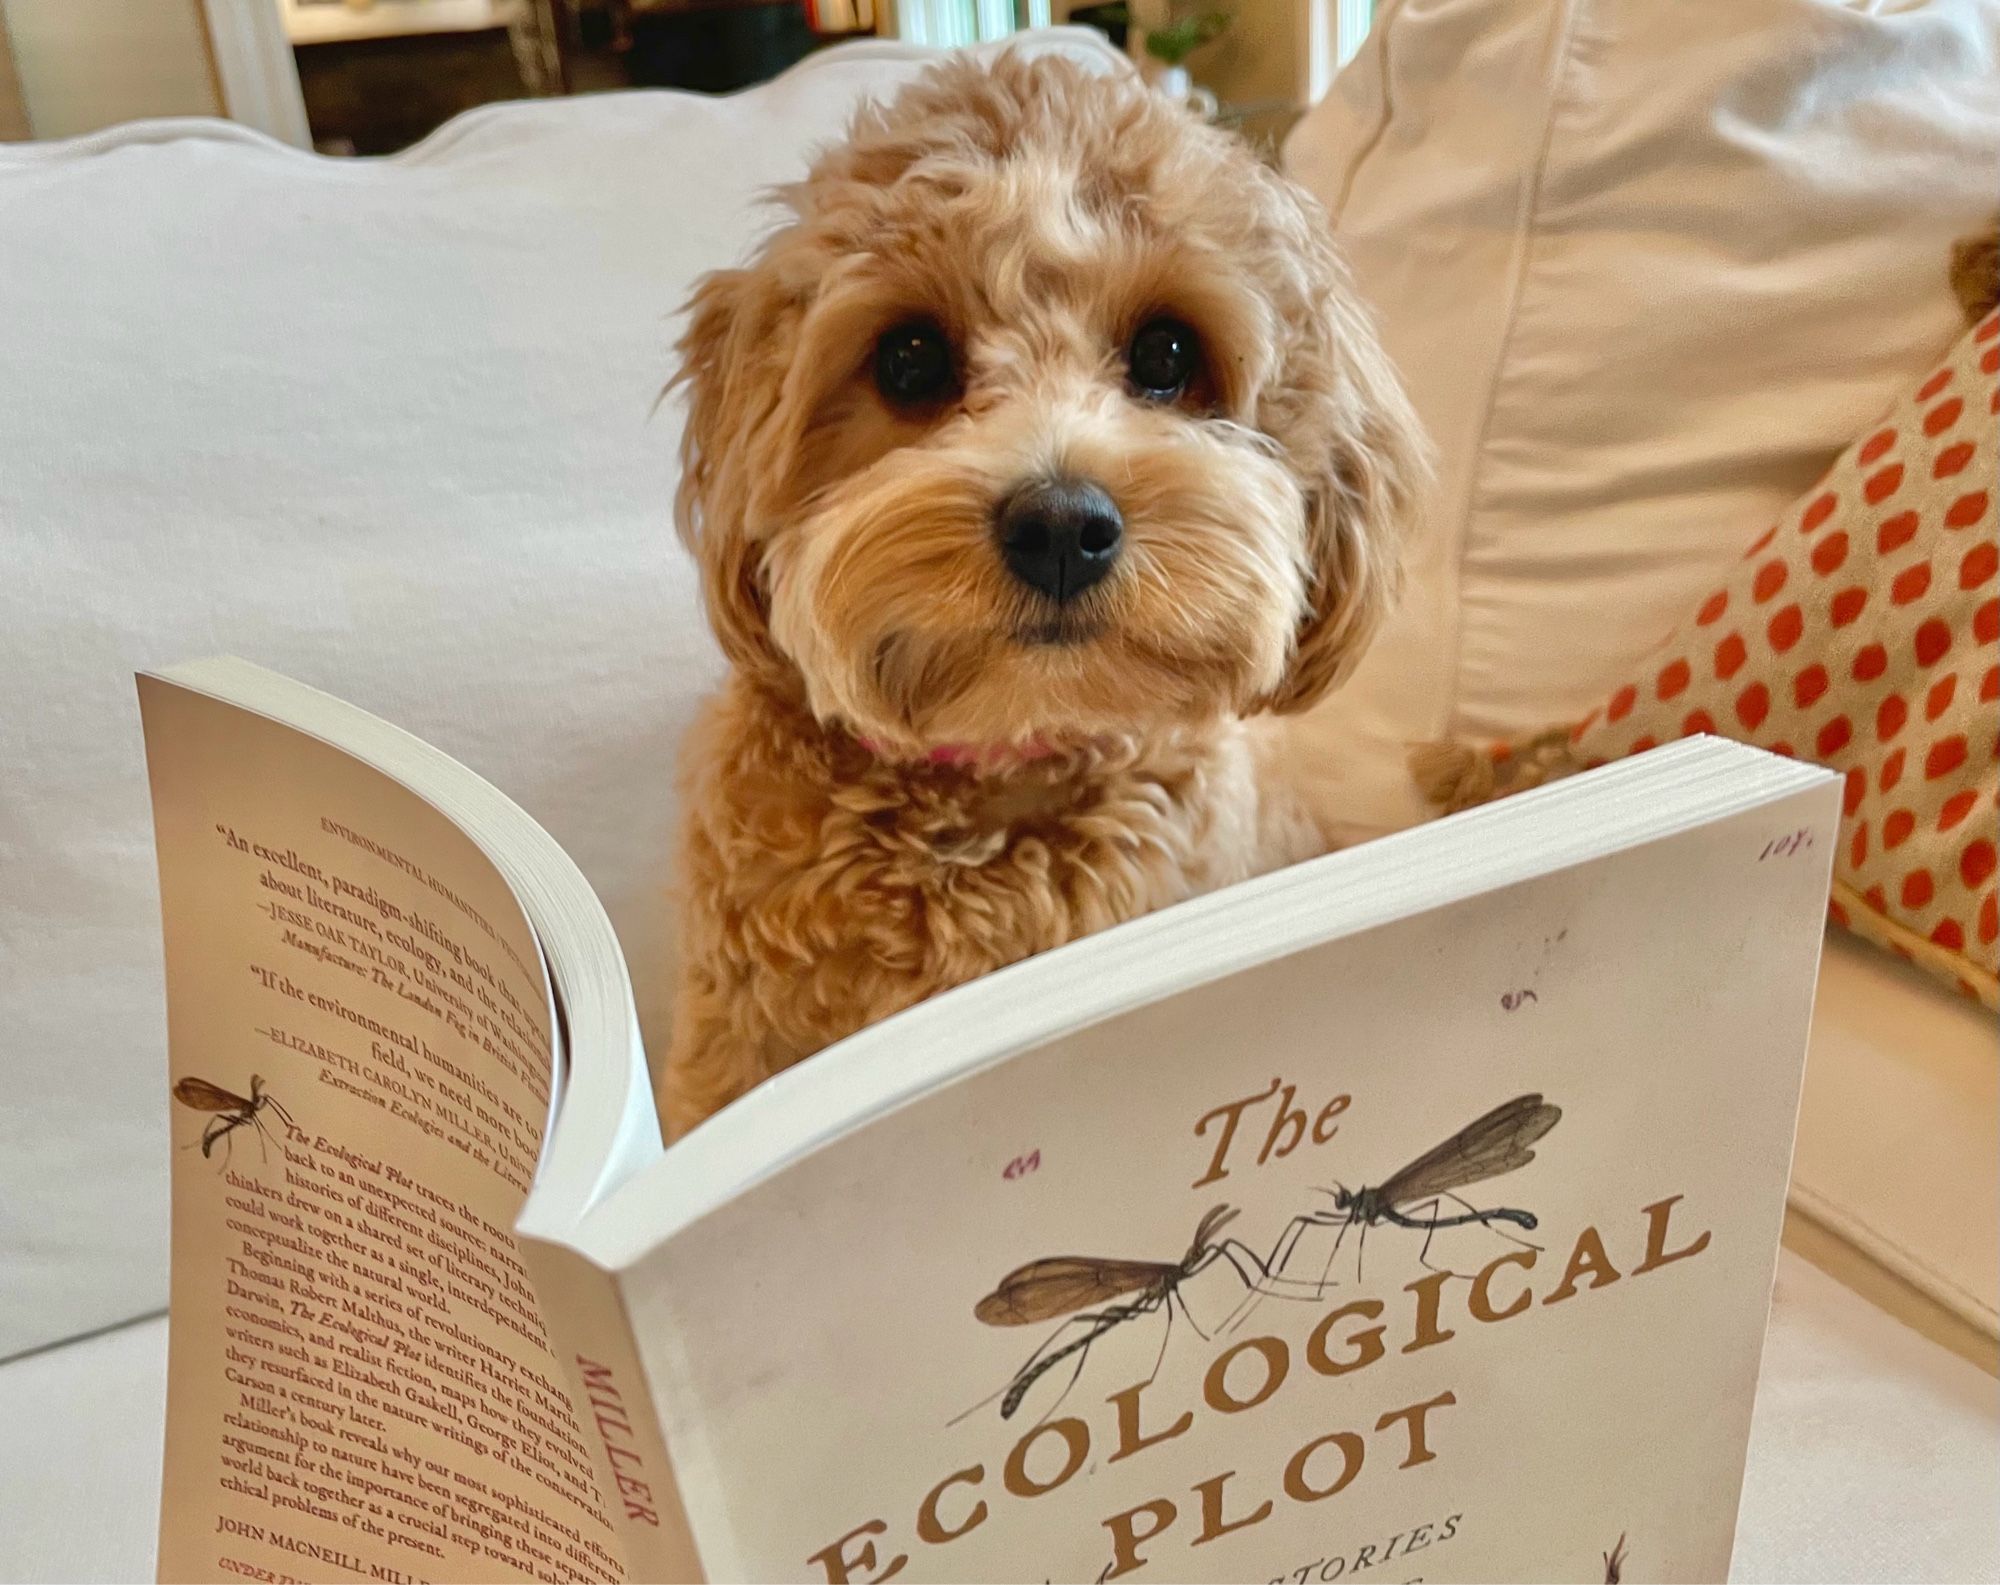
(826, 889)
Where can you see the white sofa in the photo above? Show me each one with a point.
(386, 426)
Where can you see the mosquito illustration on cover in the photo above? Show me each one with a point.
(1416, 1197)
(1066, 1287)
(230, 1112)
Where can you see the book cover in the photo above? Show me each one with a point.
(1409, 1215)
(1440, 1251)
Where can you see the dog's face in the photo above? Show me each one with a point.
(1047, 416)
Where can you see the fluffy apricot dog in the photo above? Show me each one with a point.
(1041, 449)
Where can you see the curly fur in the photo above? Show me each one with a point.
(832, 871)
(1975, 273)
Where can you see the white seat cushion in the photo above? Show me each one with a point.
(386, 426)
(1873, 1453)
(81, 1426)
(1899, 1130)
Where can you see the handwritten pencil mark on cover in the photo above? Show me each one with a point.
(1614, 1563)
(1490, 1146)
(1784, 847)
(231, 1112)
(1066, 1285)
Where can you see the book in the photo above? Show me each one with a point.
(1410, 1213)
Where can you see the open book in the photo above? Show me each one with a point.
(1408, 1214)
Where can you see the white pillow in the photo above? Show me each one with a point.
(384, 425)
(1647, 269)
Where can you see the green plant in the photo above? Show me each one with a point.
(1180, 38)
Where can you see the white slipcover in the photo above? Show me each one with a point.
(387, 426)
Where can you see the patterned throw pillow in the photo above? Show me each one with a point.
(1859, 632)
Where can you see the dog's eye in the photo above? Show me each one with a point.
(1164, 356)
(913, 363)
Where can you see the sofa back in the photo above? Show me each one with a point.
(386, 426)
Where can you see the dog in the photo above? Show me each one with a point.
(1041, 452)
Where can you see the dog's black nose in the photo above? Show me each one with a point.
(1060, 536)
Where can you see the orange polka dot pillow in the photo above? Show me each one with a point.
(1860, 632)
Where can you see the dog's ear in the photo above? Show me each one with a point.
(1369, 462)
(733, 373)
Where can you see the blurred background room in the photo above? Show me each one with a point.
(374, 76)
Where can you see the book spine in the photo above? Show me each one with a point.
(591, 1334)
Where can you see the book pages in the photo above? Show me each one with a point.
(361, 1382)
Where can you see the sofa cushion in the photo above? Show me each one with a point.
(1896, 1152)
(1646, 270)
(387, 426)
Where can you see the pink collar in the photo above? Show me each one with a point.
(970, 756)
